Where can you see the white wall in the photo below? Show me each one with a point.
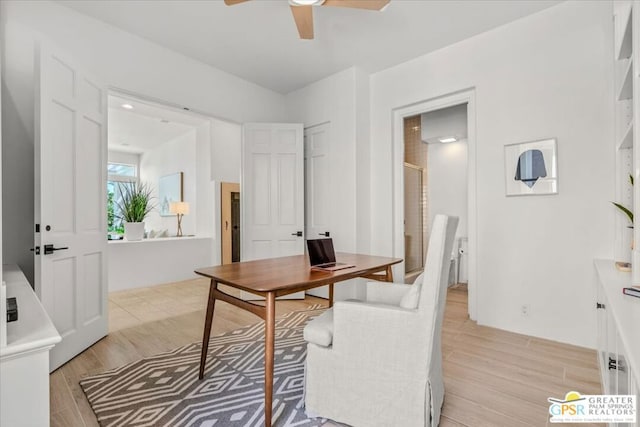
(226, 152)
(177, 155)
(363, 163)
(121, 60)
(548, 75)
(447, 182)
(122, 157)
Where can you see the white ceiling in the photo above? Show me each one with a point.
(146, 126)
(258, 40)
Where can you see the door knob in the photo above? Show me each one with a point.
(297, 233)
(325, 234)
(49, 249)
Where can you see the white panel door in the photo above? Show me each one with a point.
(316, 188)
(70, 203)
(272, 191)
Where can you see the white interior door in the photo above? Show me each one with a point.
(272, 191)
(316, 188)
(70, 203)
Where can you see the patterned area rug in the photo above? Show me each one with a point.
(164, 390)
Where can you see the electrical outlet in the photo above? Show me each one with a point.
(524, 310)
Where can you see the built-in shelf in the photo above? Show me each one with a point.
(627, 138)
(624, 309)
(624, 48)
(626, 88)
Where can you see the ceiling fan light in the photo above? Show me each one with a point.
(306, 2)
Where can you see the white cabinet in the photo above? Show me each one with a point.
(618, 338)
(24, 361)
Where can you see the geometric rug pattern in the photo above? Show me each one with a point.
(164, 390)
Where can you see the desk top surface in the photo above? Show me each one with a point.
(292, 272)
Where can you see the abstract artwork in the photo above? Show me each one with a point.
(169, 190)
(531, 168)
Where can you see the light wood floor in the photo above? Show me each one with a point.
(492, 377)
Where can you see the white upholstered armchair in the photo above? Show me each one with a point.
(379, 362)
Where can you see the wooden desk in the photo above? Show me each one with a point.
(274, 277)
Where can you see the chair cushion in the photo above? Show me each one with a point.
(320, 330)
(410, 299)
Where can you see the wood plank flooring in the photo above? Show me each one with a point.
(492, 377)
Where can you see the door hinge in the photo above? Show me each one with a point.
(37, 228)
(35, 250)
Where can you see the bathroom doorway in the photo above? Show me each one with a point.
(230, 222)
(435, 181)
(464, 97)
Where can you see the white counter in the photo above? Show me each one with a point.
(135, 264)
(24, 362)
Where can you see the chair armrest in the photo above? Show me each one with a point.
(386, 293)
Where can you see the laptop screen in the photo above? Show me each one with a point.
(321, 251)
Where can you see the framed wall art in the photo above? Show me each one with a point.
(531, 168)
(169, 190)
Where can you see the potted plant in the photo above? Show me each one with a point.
(134, 205)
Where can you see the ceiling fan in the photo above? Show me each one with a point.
(303, 14)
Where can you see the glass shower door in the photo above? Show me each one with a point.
(413, 218)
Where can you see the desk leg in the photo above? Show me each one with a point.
(269, 343)
(211, 302)
(389, 275)
(330, 294)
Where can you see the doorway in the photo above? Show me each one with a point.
(437, 180)
(230, 222)
(435, 172)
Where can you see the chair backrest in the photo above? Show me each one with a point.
(437, 263)
(432, 301)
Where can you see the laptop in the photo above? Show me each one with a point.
(323, 257)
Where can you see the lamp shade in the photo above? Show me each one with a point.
(179, 208)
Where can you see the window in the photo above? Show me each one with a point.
(119, 174)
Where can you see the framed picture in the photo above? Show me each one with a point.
(531, 168)
(169, 190)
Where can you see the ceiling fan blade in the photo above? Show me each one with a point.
(358, 4)
(232, 2)
(303, 15)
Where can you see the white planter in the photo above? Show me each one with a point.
(133, 230)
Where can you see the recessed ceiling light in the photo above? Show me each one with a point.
(447, 140)
(127, 106)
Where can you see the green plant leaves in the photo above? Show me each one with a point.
(136, 203)
(625, 210)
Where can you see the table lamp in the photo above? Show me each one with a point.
(180, 209)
